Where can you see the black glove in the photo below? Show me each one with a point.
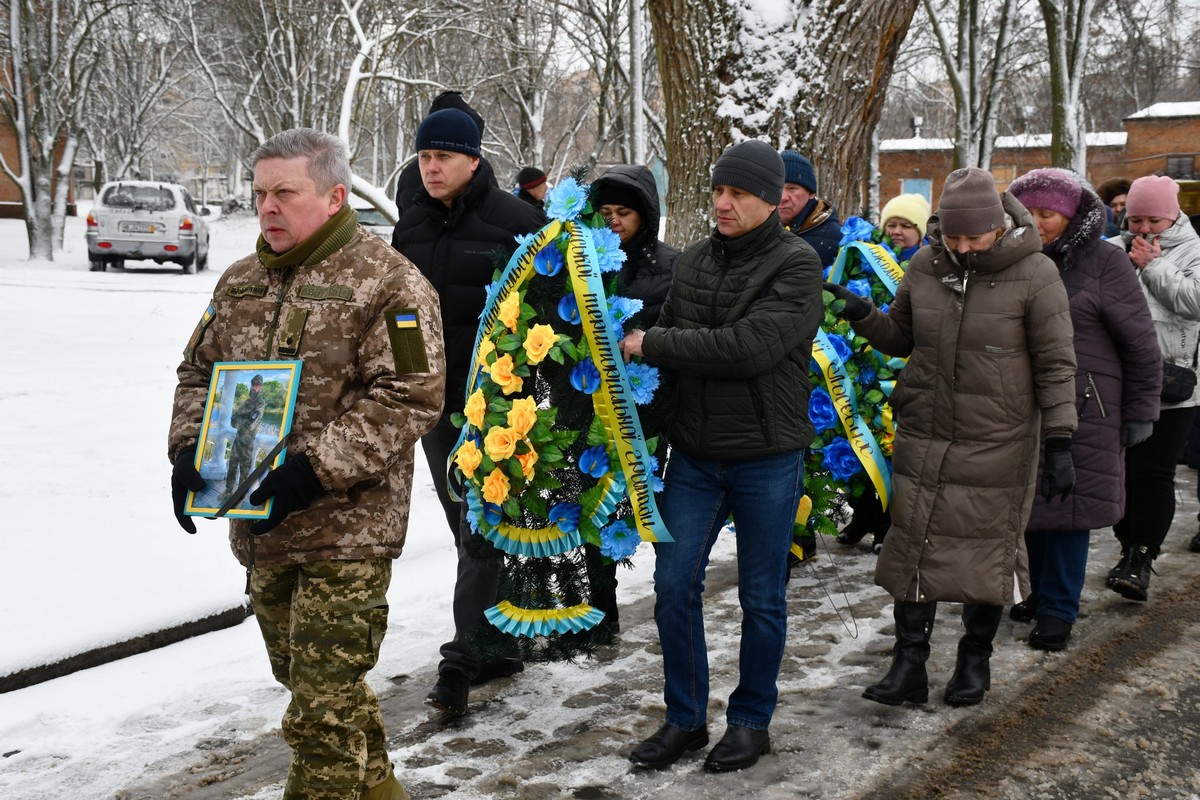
(1058, 470)
(1133, 432)
(185, 478)
(294, 485)
(856, 308)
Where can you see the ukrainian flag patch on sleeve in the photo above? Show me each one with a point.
(189, 352)
(407, 340)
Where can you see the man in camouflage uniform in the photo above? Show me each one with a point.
(245, 419)
(365, 324)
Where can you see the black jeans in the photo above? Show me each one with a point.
(1150, 482)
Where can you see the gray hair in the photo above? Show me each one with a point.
(328, 156)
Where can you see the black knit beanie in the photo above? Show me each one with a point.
(530, 177)
(753, 166)
(449, 129)
(606, 193)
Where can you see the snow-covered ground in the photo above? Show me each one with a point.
(91, 552)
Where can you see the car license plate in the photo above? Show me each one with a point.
(138, 227)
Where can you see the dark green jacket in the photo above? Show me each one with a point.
(737, 331)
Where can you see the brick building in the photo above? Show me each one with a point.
(1162, 139)
(10, 194)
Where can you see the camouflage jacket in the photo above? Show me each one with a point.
(359, 410)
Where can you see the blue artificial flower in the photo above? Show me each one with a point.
(656, 482)
(820, 409)
(841, 347)
(524, 238)
(566, 200)
(492, 514)
(856, 229)
(643, 378)
(838, 457)
(594, 461)
(618, 541)
(622, 308)
(608, 249)
(548, 261)
(884, 308)
(860, 286)
(566, 516)
(585, 377)
(866, 374)
(825, 272)
(568, 309)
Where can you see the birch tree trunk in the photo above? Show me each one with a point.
(808, 76)
(1067, 24)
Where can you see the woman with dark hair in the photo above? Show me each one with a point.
(627, 197)
(1117, 384)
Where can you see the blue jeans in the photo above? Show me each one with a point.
(763, 495)
(1057, 567)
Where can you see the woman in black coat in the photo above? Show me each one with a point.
(627, 197)
(1117, 389)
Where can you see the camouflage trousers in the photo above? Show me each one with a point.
(241, 460)
(323, 623)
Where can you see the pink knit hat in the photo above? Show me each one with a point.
(1153, 196)
(1049, 188)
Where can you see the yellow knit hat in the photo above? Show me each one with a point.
(912, 207)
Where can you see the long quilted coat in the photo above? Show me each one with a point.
(990, 369)
(1119, 369)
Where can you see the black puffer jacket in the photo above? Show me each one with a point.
(737, 331)
(649, 263)
(458, 249)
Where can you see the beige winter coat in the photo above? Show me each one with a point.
(991, 366)
(356, 418)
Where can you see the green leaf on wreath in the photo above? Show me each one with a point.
(534, 503)
(512, 509)
(513, 467)
(556, 355)
(596, 433)
(589, 532)
(564, 439)
(551, 454)
(874, 397)
(498, 403)
(509, 342)
(458, 419)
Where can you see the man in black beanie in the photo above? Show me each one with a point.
(458, 227)
(532, 186)
(410, 177)
(736, 331)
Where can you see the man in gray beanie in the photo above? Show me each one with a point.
(736, 332)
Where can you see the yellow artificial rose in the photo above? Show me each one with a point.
(510, 311)
(495, 487)
(523, 415)
(527, 460)
(538, 342)
(500, 443)
(475, 409)
(502, 375)
(468, 458)
(485, 349)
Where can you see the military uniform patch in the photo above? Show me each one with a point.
(408, 340)
(292, 332)
(334, 292)
(247, 290)
(205, 320)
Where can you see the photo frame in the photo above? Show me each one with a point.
(247, 415)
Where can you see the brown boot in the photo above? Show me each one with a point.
(390, 789)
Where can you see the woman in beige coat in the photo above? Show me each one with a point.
(984, 319)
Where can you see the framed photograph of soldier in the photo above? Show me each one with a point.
(247, 417)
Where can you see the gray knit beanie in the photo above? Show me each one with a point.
(970, 204)
(753, 166)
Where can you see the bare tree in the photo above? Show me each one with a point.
(48, 51)
(1067, 24)
(809, 75)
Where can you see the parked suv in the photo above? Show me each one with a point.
(146, 220)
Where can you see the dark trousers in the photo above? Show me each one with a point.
(1150, 482)
(477, 585)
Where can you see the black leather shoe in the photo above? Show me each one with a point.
(1025, 610)
(1194, 545)
(500, 668)
(450, 693)
(1050, 633)
(666, 746)
(739, 748)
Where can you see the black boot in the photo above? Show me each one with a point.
(907, 680)
(1121, 567)
(1133, 578)
(869, 518)
(972, 671)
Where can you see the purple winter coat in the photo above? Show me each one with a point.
(1120, 369)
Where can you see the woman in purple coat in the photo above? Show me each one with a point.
(1117, 390)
